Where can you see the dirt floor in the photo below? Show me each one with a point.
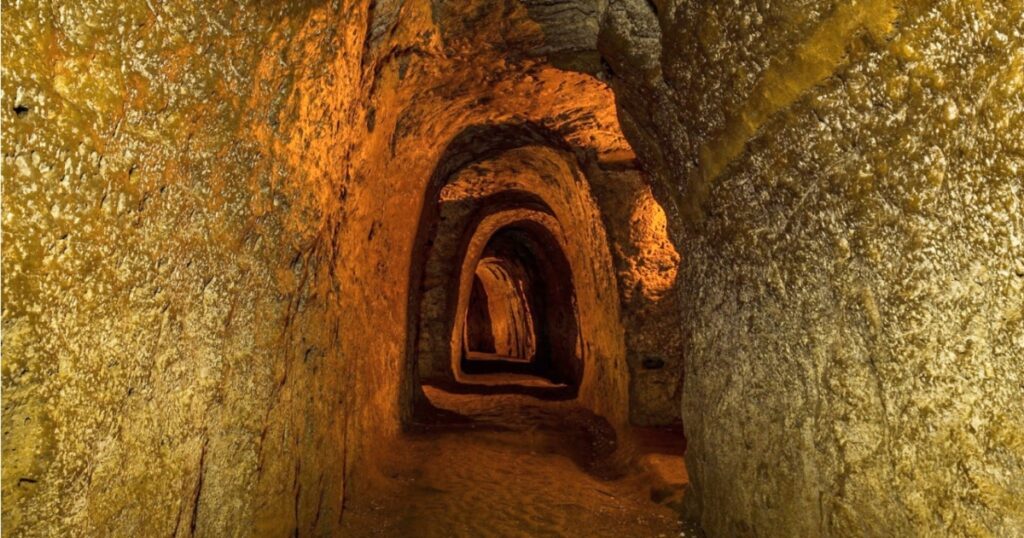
(495, 459)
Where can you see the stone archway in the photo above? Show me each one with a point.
(524, 238)
(546, 181)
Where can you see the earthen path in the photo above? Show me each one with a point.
(518, 465)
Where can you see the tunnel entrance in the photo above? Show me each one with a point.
(499, 323)
(526, 282)
(517, 346)
(516, 285)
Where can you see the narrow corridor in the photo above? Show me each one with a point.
(512, 268)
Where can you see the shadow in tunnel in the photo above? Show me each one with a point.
(544, 418)
(526, 282)
(489, 385)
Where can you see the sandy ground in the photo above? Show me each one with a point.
(521, 465)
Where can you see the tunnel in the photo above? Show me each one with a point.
(502, 268)
(536, 313)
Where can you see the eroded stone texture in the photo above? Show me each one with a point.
(211, 241)
(647, 266)
(850, 174)
(169, 336)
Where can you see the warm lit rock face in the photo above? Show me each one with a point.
(170, 329)
(853, 266)
(647, 265)
(218, 224)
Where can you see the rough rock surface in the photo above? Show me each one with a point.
(647, 266)
(212, 226)
(849, 174)
(169, 351)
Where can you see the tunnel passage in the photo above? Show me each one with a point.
(619, 247)
(283, 246)
(499, 322)
(526, 259)
(213, 250)
(528, 202)
(479, 336)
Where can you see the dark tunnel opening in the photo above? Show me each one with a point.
(534, 312)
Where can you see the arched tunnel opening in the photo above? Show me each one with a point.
(518, 315)
(520, 318)
(499, 323)
(502, 268)
(531, 308)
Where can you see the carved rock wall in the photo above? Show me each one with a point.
(848, 176)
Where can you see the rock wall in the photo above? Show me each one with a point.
(647, 270)
(212, 223)
(170, 360)
(849, 182)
